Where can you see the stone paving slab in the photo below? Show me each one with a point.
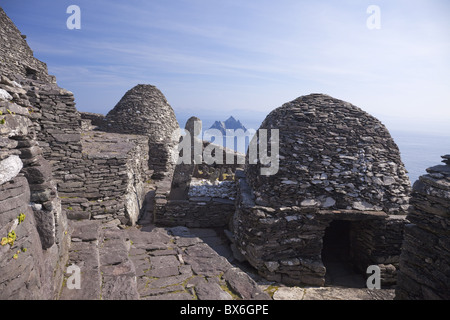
(183, 267)
(154, 263)
(332, 293)
(177, 263)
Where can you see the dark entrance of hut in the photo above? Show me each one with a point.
(338, 255)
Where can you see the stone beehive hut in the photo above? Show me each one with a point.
(340, 173)
(144, 110)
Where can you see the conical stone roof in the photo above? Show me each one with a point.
(332, 155)
(144, 110)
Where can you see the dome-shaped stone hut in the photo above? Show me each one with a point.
(144, 110)
(332, 155)
(340, 182)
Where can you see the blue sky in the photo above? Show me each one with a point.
(214, 58)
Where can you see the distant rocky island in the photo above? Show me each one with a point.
(234, 128)
(230, 124)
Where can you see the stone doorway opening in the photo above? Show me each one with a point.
(338, 253)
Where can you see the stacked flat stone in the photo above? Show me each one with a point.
(56, 122)
(332, 155)
(58, 127)
(424, 265)
(336, 162)
(95, 119)
(29, 205)
(115, 178)
(16, 56)
(36, 114)
(144, 110)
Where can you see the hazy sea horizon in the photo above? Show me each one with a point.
(420, 151)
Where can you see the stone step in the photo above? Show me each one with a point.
(117, 270)
(100, 251)
(83, 254)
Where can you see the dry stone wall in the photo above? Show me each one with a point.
(424, 265)
(33, 228)
(195, 212)
(58, 131)
(95, 119)
(44, 172)
(115, 178)
(204, 206)
(378, 242)
(16, 56)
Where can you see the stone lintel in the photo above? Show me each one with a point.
(352, 214)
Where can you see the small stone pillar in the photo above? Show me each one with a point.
(184, 171)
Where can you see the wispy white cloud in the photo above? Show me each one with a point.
(259, 54)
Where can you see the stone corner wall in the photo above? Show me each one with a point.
(114, 179)
(33, 227)
(39, 131)
(424, 262)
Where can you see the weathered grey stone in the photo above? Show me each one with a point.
(10, 168)
(4, 95)
(362, 205)
(38, 174)
(85, 230)
(287, 293)
(346, 294)
(243, 285)
(329, 202)
(119, 288)
(156, 293)
(45, 222)
(309, 203)
(423, 271)
(90, 287)
(206, 290)
(159, 262)
(272, 265)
